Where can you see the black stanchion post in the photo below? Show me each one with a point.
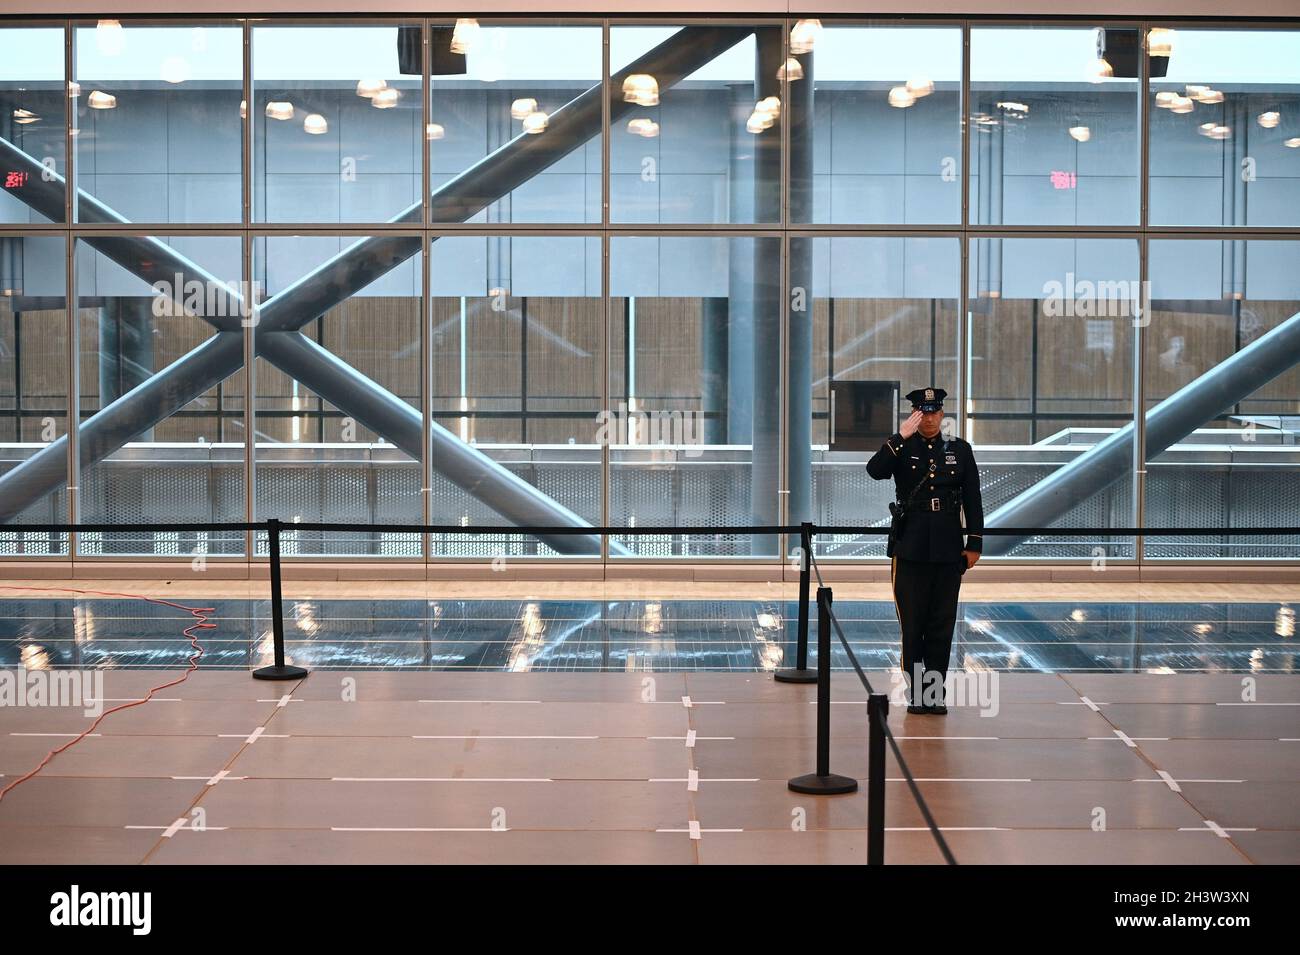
(877, 713)
(823, 782)
(280, 671)
(800, 673)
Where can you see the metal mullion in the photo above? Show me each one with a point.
(1017, 232)
(246, 265)
(783, 342)
(504, 230)
(1224, 232)
(70, 297)
(134, 232)
(339, 228)
(426, 402)
(159, 228)
(426, 289)
(349, 232)
(426, 113)
(577, 228)
(1039, 231)
(605, 119)
(649, 231)
(881, 228)
(499, 228)
(686, 228)
(911, 232)
(1138, 502)
(963, 267)
(37, 228)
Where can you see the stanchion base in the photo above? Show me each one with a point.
(815, 785)
(795, 675)
(279, 673)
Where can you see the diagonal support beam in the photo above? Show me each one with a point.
(380, 410)
(148, 404)
(342, 276)
(149, 259)
(1167, 423)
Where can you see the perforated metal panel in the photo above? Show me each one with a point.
(52, 510)
(173, 491)
(1239, 496)
(682, 493)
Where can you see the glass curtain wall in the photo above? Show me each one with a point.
(644, 272)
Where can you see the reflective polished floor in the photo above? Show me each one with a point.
(463, 767)
(647, 728)
(663, 635)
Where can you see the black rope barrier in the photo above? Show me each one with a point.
(879, 733)
(920, 800)
(735, 530)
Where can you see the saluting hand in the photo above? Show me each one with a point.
(910, 426)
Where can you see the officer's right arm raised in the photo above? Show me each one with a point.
(884, 461)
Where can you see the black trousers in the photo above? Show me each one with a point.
(925, 596)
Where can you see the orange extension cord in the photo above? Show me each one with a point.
(200, 614)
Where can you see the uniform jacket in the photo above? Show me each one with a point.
(928, 535)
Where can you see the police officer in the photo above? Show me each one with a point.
(936, 482)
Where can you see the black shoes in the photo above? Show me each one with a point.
(939, 710)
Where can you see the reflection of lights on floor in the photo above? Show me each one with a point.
(1284, 622)
(1203, 628)
(767, 628)
(532, 630)
(530, 622)
(304, 614)
(266, 650)
(34, 657)
(1079, 615)
(83, 623)
(1257, 659)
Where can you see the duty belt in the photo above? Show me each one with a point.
(943, 501)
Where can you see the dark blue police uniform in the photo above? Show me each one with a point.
(937, 480)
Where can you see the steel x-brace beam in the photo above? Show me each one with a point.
(278, 337)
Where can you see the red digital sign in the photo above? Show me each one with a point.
(15, 180)
(1064, 180)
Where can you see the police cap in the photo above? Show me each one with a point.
(927, 399)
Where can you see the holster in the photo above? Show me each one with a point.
(897, 514)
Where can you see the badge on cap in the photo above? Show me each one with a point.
(927, 399)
